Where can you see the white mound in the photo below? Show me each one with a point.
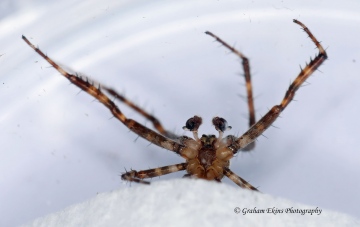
(185, 202)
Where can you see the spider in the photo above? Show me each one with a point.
(206, 157)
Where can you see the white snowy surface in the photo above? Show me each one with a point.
(191, 203)
(60, 147)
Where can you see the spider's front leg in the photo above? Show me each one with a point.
(96, 92)
(257, 129)
(138, 176)
(156, 123)
(247, 76)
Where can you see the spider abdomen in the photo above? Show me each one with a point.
(208, 164)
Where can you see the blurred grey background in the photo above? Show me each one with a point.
(59, 146)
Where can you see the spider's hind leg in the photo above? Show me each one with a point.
(138, 176)
(247, 75)
(238, 180)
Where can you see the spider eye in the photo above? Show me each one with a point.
(220, 124)
(193, 123)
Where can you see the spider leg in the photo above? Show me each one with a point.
(138, 176)
(96, 92)
(247, 75)
(238, 180)
(158, 126)
(258, 128)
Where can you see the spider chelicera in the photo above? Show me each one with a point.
(206, 157)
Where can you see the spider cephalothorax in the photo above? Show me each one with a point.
(206, 157)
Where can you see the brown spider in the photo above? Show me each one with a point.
(207, 157)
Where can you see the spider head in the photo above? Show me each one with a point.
(208, 141)
(193, 124)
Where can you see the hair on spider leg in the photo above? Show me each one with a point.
(136, 138)
(305, 85)
(245, 98)
(318, 70)
(79, 91)
(149, 144)
(272, 125)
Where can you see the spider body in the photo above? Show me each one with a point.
(209, 154)
(207, 157)
(205, 163)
